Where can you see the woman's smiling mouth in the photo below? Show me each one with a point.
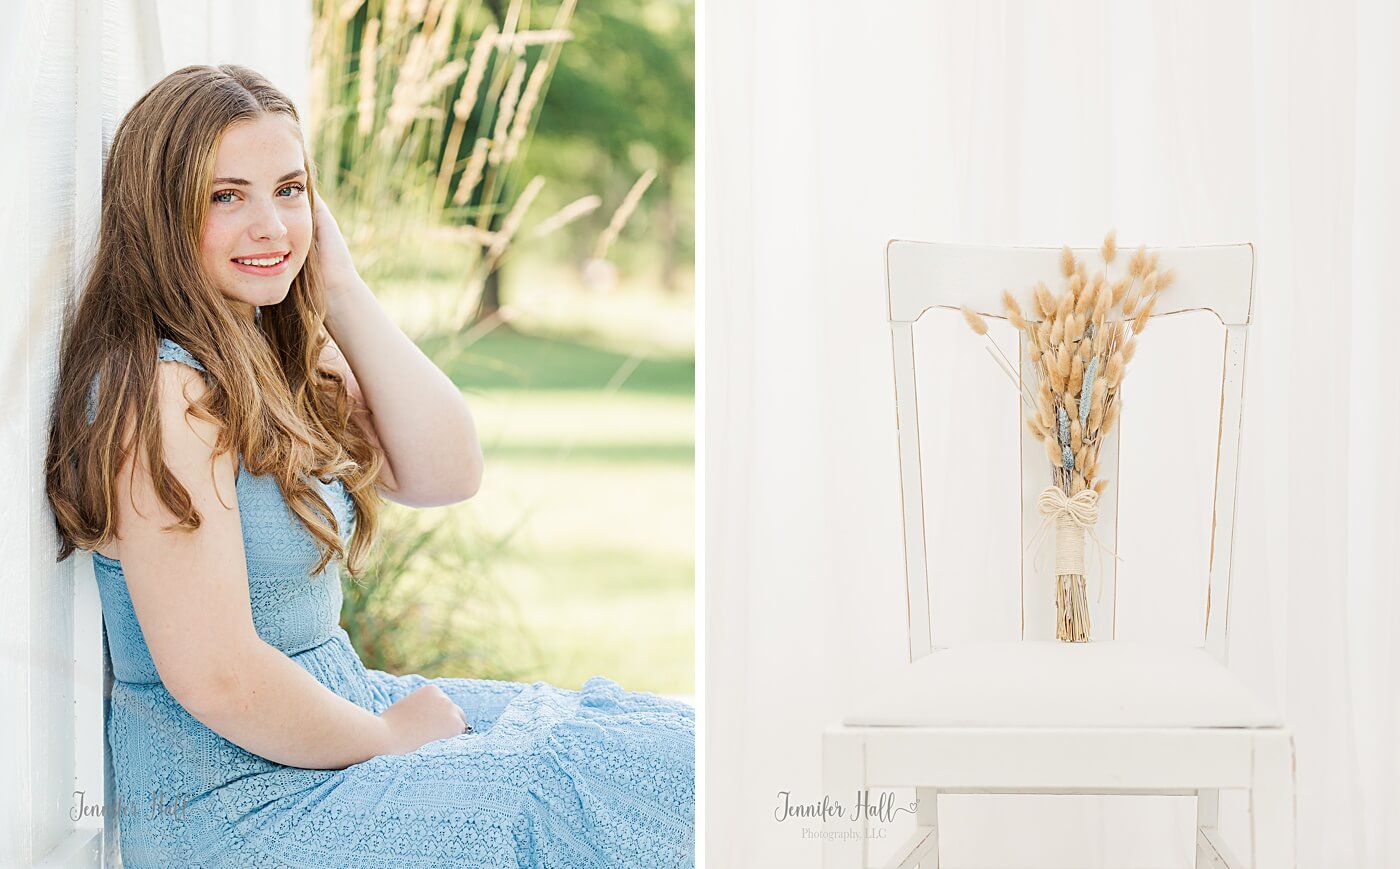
(267, 264)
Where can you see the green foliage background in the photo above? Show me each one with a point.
(578, 556)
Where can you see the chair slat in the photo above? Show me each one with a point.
(925, 275)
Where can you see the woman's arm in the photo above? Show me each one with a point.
(419, 417)
(273, 708)
(333, 358)
(190, 593)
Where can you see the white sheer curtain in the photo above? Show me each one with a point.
(829, 128)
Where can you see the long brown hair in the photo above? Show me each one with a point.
(287, 415)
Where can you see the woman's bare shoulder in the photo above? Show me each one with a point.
(179, 386)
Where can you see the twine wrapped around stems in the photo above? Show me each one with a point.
(1071, 516)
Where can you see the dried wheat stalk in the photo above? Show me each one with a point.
(1079, 342)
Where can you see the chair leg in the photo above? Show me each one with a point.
(1208, 807)
(920, 851)
(1212, 852)
(1207, 822)
(927, 812)
(843, 776)
(1271, 802)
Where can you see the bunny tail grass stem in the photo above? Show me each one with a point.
(1072, 517)
(1015, 382)
(1071, 609)
(1027, 397)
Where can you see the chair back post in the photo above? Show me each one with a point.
(1227, 474)
(924, 275)
(911, 472)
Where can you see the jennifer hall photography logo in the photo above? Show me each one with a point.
(881, 811)
(158, 807)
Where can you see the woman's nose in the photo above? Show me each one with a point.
(267, 223)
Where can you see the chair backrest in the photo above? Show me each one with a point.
(922, 276)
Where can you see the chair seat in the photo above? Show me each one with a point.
(1055, 684)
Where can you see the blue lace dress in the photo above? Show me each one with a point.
(599, 777)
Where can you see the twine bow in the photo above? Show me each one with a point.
(1072, 517)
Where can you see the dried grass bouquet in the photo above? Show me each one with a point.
(1080, 343)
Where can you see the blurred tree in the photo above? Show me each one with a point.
(624, 93)
(620, 103)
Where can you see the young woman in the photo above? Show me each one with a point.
(232, 403)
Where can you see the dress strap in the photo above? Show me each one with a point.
(169, 351)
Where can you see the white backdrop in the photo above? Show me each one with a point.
(828, 129)
(68, 71)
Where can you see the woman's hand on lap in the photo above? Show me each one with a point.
(425, 715)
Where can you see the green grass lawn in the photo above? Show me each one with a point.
(586, 409)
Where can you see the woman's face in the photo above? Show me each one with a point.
(258, 229)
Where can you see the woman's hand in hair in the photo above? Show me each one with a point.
(338, 273)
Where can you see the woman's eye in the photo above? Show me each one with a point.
(297, 190)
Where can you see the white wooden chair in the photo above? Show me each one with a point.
(1040, 716)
